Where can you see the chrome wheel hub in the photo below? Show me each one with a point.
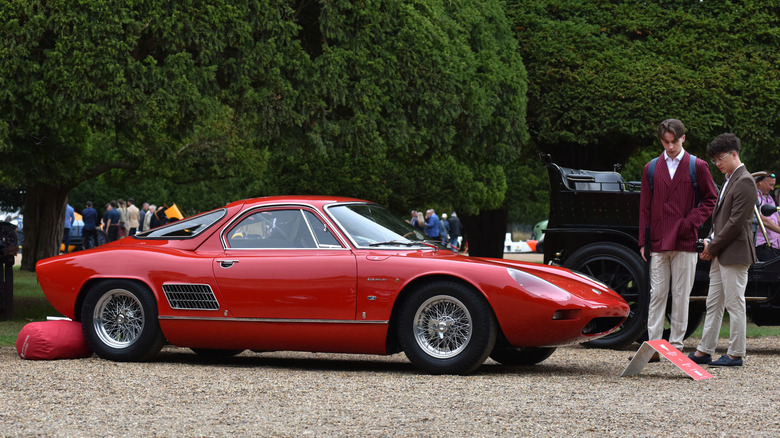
(442, 327)
(118, 318)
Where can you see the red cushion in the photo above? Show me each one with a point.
(47, 340)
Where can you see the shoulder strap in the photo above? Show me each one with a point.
(694, 180)
(651, 172)
(691, 171)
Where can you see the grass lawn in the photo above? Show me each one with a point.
(31, 305)
(753, 331)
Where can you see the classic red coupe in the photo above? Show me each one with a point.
(321, 274)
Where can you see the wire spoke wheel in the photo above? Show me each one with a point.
(443, 326)
(118, 319)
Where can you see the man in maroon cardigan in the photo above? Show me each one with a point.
(669, 220)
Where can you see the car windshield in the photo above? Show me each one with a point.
(369, 225)
(189, 227)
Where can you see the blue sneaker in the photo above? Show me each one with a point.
(701, 360)
(726, 361)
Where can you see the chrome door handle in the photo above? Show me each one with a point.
(227, 263)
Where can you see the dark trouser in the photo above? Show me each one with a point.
(66, 238)
(90, 238)
(113, 233)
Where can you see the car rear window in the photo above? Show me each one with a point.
(185, 228)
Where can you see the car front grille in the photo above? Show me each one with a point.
(601, 325)
(190, 296)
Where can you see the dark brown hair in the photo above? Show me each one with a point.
(674, 126)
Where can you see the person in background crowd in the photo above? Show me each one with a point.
(89, 233)
(767, 247)
(445, 229)
(158, 218)
(133, 217)
(142, 216)
(148, 217)
(418, 220)
(112, 221)
(432, 224)
(731, 251)
(455, 231)
(69, 218)
(122, 209)
(669, 220)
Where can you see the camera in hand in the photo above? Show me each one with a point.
(699, 245)
(769, 209)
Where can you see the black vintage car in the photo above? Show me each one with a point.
(594, 228)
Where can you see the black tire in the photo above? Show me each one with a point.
(216, 352)
(521, 356)
(624, 271)
(695, 316)
(459, 341)
(102, 237)
(119, 319)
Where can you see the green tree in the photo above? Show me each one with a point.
(413, 104)
(416, 104)
(159, 88)
(602, 75)
(409, 103)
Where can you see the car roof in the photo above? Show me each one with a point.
(317, 201)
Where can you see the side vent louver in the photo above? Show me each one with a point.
(190, 296)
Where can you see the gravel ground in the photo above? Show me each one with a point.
(576, 391)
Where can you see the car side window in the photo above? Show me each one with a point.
(324, 237)
(267, 229)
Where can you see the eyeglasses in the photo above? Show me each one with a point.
(717, 160)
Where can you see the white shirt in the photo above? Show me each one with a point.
(672, 163)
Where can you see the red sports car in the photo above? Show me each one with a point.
(321, 274)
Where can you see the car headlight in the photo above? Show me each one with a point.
(592, 280)
(538, 286)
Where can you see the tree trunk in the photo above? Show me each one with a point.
(44, 219)
(485, 233)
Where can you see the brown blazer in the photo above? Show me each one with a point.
(733, 243)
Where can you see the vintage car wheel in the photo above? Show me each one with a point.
(216, 352)
(624, 271)
(119, 319)
(695, 317)
(521, 356)
(446, 328)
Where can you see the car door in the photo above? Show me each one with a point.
(285, 263)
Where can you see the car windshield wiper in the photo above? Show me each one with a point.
(396, 242)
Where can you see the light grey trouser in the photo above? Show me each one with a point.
(727, 291)
(680, 266)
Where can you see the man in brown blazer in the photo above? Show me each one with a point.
(731, 250)
(672, 208)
